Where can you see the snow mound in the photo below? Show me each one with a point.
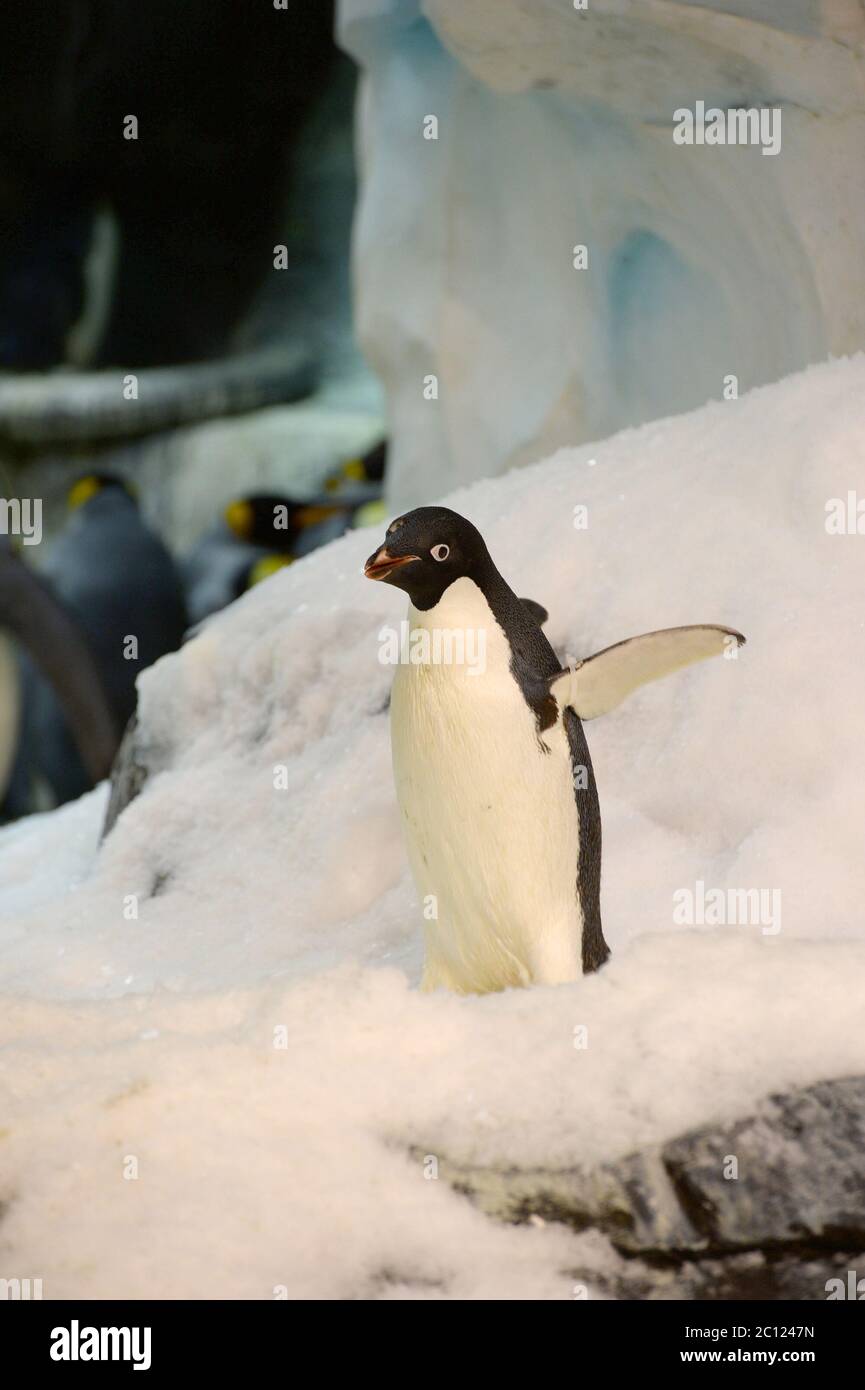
(252, 1043)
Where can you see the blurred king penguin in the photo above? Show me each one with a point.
(118, 582)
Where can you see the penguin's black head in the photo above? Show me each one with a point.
(95, 484)
(275, 522)
(425, 551)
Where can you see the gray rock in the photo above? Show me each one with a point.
(137, 760)
(792, 1217)
(801, 1172)
(68, 407)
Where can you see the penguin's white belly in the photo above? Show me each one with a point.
(491, 826)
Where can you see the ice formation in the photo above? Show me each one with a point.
(554, 131)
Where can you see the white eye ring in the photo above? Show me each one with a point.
(440, 552)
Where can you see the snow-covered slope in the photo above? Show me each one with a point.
(254, 1038)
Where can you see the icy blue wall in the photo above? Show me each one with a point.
(555, 130)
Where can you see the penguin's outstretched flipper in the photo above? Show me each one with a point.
(601, 682)
(537, 610)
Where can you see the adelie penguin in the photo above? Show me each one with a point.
(492, 769)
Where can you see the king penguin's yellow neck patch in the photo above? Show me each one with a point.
(240, 517)
(83, 490)
(265, 567)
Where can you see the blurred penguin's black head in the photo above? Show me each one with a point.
(93, 485)
(425, 551)
(263, 519)
(366, 469)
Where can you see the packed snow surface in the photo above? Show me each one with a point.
(252, 1044)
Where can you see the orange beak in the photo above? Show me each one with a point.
(381, 564)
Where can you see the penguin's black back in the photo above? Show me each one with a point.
(533, 661)
(118, 579)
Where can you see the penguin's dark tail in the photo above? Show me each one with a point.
(538, 612)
